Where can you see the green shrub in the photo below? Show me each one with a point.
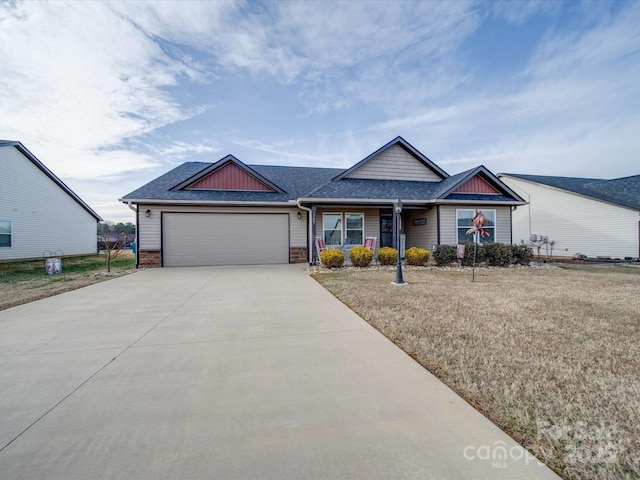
(444, 254)
(521, 254)
(332, 258)
(360, 256)
(496, 254)
(387, 256)
(417, 256)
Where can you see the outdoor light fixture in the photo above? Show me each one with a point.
(147, 213)
(397, 208)
(299, 215)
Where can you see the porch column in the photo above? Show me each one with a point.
(395, 228)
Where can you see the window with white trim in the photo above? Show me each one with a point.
(463, 222)
(332, 229)
(354, 233)
(5, 233)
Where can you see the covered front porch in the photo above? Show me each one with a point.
(346, 226)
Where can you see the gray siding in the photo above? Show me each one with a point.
(422, 236)
(448, 227)
(44, 217)
(395, 163)
(576, 223)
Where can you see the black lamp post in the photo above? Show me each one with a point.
(397, 208)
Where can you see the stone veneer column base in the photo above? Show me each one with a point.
(149, 258)
(298, 255)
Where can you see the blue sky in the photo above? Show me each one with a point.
(109, 95)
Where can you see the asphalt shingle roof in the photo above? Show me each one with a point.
(295, 181)
(621, 191)
(304, 182)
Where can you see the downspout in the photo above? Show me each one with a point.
(135, 209)
(309, 227)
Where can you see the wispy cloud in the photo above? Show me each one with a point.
(112, 94)
(76, 93)
(574, 105)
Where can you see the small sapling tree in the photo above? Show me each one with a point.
(111, 245)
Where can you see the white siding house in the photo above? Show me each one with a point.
(588, 216)
(38, 212)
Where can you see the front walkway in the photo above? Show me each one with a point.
(238, 372)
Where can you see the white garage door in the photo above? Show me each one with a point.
(198, 239)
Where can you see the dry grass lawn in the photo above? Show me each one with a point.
(552, 356)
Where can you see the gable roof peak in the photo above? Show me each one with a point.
(210, 169)
(407, 147)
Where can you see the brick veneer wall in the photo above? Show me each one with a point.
(149, 258)
(297, 255)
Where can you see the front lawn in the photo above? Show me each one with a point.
(25, 281)
(552, 356)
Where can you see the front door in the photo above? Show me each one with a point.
(386, 230)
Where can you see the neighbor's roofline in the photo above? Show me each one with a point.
(25, 151)
(570, 192)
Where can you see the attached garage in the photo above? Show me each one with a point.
(203, 239)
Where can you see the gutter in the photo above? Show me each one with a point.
(408, 202)
(150, 201)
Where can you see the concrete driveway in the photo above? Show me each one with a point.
(227, 373)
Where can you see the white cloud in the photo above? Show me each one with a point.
(76, 80)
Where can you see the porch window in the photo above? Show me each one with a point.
(5, 233)
(464, 217)
(355, 228)
(332, 228)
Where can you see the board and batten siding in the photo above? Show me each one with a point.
(371, 221)
(149, 230)
(448, 226)
(576, 224)
(43, 216)
(395, 163)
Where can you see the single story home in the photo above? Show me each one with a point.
(39, 214)
(588, 216)
(229, 213)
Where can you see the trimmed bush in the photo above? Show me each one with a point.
(332, 258)
(445, 255)
(521, 254)
(387, 256)
(496, 254)
(360, 256)
(417, 256)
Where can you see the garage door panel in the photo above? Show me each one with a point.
(194, 239)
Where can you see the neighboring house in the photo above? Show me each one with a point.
(594, 217)
(227, 213)
(38, 212)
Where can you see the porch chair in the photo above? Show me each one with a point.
(370, 243)
(319, 247)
